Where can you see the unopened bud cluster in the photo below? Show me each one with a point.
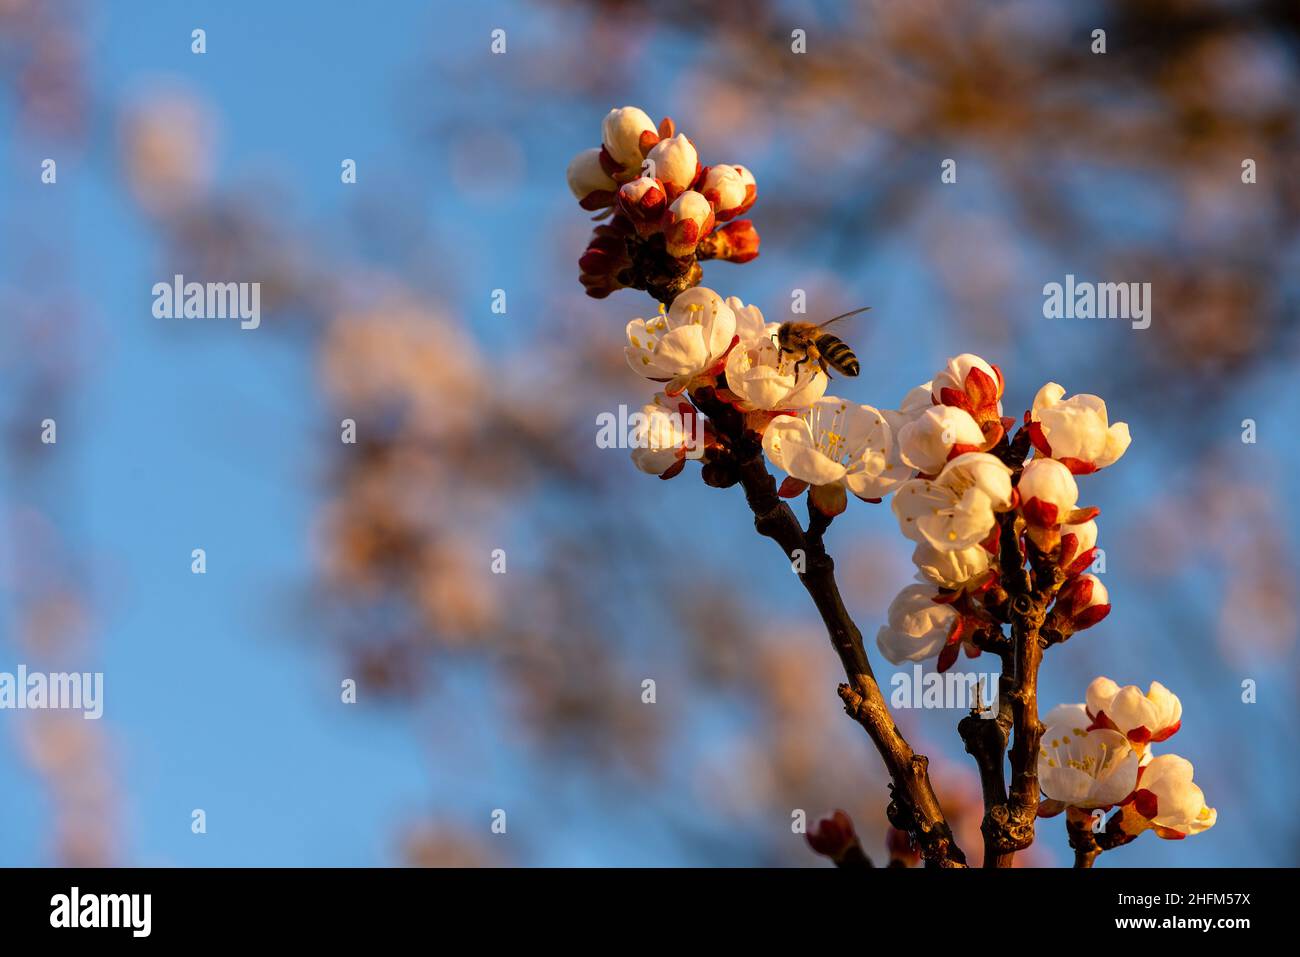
(666, 211)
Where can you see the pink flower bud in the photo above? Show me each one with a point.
(674, 163)
(643, 201)
(727, 189)
(1082, 602)
(588, 181)
(1078, 546)
(1048, 493)
(972, 384)
(832, 836)
(605, 258)
(737, 242)
(686, 222)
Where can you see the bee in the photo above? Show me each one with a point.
(809, 341)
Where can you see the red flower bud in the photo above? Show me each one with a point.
(833, 836)
(643, 201)
(737, 241)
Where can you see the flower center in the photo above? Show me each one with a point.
(830, 438)
(1059, 753)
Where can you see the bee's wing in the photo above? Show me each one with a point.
(844, 315)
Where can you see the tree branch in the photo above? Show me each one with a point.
(1087, 843)
(914, 806)
(1084, 842)
(1009, 814)
(986, 741)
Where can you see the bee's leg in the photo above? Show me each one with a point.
(801, 361)
(821, 361)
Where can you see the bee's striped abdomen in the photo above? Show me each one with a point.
(838, 355)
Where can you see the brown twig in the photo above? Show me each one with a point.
(1010, 813)
(855, 858)
(1087, 843)
(986, 741)
(914, 806)
(1082, 839)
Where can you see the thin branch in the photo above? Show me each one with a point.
(1087, 843)
(914, 807)
(986, 741)
(855, 858)
(1082, 839)
(1010, 813)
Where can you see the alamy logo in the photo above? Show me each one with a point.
(179, 299)
(1098, 300)
(102, 910)
(58, 690)
(957, 690)
(636, 430)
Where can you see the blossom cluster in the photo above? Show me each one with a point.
(665, 208)
(970, 484)
(1097, 755)
(934, 455)
(989, 501)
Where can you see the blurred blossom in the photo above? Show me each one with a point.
(1238, 540)
(458, 595)
(431, 844)
(71, 754)
(400, 358)
(41, 57)
(168, 147)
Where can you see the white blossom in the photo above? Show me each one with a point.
(760, 376)
(1048, 492)
(951, 568)
(628, 133)
(727, 189)
(956, 509)
(918, 626)
(834, 446)
(1077, 541)
(688, 220)
(750, 323)
(929, 438)
(1082, 602)
(1081, 768)
(663, 436)
(643, 201)
(1142, 718)
(590, 184)
(684, 345)
(969, 376)
(674, 162)
(1167, 800)
(914, 404)
(917, 400)
(1076, 430)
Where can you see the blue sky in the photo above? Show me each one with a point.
(215, 699)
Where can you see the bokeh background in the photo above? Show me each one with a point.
(477, 430)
